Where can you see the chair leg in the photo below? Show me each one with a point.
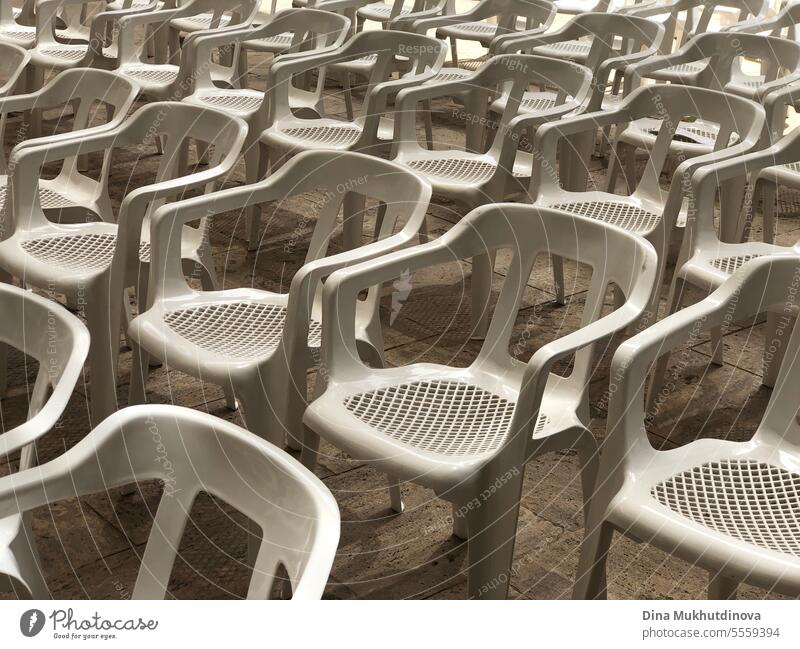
(721, 587)
(428, 120)
(660, 369)
(768, 199)
(310, 452)
(589, 457)
(253, 212)
(101, 355)
(492, 528)
(348, 95)
(460, 526)
(140, 369)
(773, 359)
(731, 199)
(395, 494)
(558, 279)
(34, 81)
(590, 582)
(454, 51)
(717, 357)
(482, 272)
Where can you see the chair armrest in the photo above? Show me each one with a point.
(636, 71)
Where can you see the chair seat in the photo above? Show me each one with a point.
(752, 501)
(577, 49)
(478, 30)
(276, 43)
(620, 213)
(198, 22)
(328, 135)
(243, 103)
(380, 12)
(450, 74)
(444, 417)
(243, 330)
(151, 74)
(19, 34)
(695, 137)
(77, 252)
(466, 169)
(116, 5)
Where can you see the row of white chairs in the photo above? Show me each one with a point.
(454, 430)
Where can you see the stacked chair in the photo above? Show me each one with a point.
(640, 143)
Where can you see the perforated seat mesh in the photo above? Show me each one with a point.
(793, 166)
(233, 101)
(27, 34)
(149, 73)
(381, 10)
(477, 27)
(450, 74)
(731, 264)
(331, 135)
(204, 20)
(751, 501)
(683, 68)
(49, 199)
(76, 252)
(537, 101)
(284, 39)
(623, 215)
(565, 47)
(459, 170)
(66, 53)
(446, 417)
(236, 329)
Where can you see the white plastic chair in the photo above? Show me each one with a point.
(783, 24)
(694, 17)
(72, 191)
(510, 16)
(164, 81)
(706, 261)
(728, 507)
(481, 175)
(720, 54)
(287, 133)
(297, 515)
(14, 32)
(614, 41)
(461, 431)
(647, 210)
(306, 29)
(92, 263)
(58, 341)
(258, 343)
(51, 53)
(13, 61)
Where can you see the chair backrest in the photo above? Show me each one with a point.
(701, 232)
(760, 284)
(671, 104)
(514, 74)
(133, 47)
(70, 13)
(697, 16)
(345, 180)
(421, 52)
(177, 124)
(13, 61)
(784, 24)
(777, 57)
(527, 233)
(616, 40)
(59, 342)
(311, 30)
(82, 89)
(194, 453)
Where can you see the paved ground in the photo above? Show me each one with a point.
(91, 547)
